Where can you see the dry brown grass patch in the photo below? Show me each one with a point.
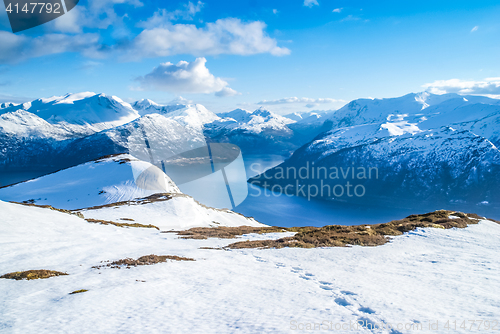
(106, 222)
(30, 203)
(78, 291)
(224, 232)
(33, 274)
(362, 235)
(143, 261)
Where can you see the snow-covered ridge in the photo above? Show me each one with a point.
(84, 113)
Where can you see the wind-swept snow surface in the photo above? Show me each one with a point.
(419, 279)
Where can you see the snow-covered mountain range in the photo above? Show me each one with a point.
(59, 132)
(424, 147)
(264, 132)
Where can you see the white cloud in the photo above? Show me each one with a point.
(16, 48)
(90, 65)
(225, 36)
(159, 37)
(488, 86)
(185, 77)
(275, 11)
(98, 14)
(71, 22)
(475, 29)
(350, 18)
(162, 16)
(309, 101)
(310, 3)
(337, 10)
(6, 98)
(180, 100)
(226, 91)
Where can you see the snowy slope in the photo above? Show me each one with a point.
(108, 180)
(413, 107)
(181, 212)
(434, 275)
(481, 119)
(23, 124)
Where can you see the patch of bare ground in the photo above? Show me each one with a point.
(33, 274)
(160, 197)
(78, 291)
(107, 222)
(142, 261)
(362, 235)
(224, 232)
(109, 156)
(29, 203)
(494, 220)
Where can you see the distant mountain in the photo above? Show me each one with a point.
(7, 105)
(188, 114)
(79, 114)
(60, 132)
(257, 121)
(261, 131)
(424, 147)
(308, 116)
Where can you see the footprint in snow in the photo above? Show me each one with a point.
(366, 310)
(326, 287)
(342, 302)
(348, 293)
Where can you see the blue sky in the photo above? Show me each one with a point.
(286, 55)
